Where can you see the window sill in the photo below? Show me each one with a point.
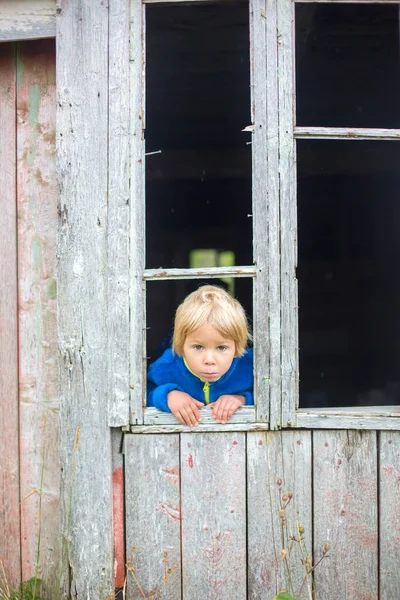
(355, 417)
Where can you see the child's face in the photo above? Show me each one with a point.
(208, 354)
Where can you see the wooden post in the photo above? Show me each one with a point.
(82, 151)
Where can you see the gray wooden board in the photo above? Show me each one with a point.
(288, 216)
(153, 515)
(389, 511)
(213, 490)
(262, 376)
(27, 19)
(82, 136)
(118, 215)
(137, 209)
(272, 455)
(345, 513)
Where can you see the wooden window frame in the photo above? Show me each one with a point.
(367, 417)
(264, 272)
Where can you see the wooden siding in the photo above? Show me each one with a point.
(336, 497)
(29, 447)
(37, 315)
(9, 452)
(82, 155)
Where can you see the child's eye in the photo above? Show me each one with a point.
(222, 348)
(197, 347)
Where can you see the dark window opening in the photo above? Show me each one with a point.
(198, 189)
(164, 297)
(349, 280)
(348, 65)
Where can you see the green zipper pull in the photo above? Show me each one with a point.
(206, 390)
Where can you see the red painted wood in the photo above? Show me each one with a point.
(38, 370)
(119, 527)
(9, 460)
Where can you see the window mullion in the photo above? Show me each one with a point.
(137, 206)
(265, 210)
(288, 212)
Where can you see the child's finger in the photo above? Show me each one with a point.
(189, 416)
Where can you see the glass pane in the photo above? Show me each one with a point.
(198, 188)
(347, 65)
(349, 280)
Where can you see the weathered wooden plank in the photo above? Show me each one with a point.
(9, 440)
(272, 456)
(153, 516)
(288, 211)
(346, 133)
(118, 491)
(245, 414)
(389, 510)
(325, 419)
(118, 215)
(213, 427)
(137, 209)
(345, 513)
(154, 274)
(27, 19)
(213, 492)
(38, 343)
(265, 209)
(82, 139)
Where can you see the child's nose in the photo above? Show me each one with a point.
(209, 358)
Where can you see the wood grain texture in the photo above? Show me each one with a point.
(9, 422)
(118, 215)
(218, 272)
(389, 510)
(137, 210)
(213, 491)
(118, 506)
(38, 344)
(272, 456)
(327, 419)
(345, 513)
(288, 211)
(345, 133)
(82, 153)
(27, 19)
(153, 515)
(245, 414)
(265, 198)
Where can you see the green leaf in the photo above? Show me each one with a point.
(284, 596)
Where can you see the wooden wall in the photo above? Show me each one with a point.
(29, 441)
(203, 512)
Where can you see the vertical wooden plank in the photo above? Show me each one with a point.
(345, 513)
(38, 344)
(288, 209)
(118, 499)
(82, 161)
(272, 456)
(9, 440)
(389, 510)
(266, 209)
(137, 208)
(153, 516)
(118, 215)
(213, 472)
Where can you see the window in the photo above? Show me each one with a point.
(260, 160)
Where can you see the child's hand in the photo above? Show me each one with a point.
(225, 406)
(184, 407)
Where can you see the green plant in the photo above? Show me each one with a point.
(28, 590)
(154, 594)
(290, 543)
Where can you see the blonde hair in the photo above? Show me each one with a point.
(213, 305)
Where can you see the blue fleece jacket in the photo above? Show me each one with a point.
(169, 373)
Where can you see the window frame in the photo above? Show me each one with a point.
(274, 180)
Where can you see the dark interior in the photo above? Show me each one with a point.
(198, 188)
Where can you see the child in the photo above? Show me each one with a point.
(208, 362)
